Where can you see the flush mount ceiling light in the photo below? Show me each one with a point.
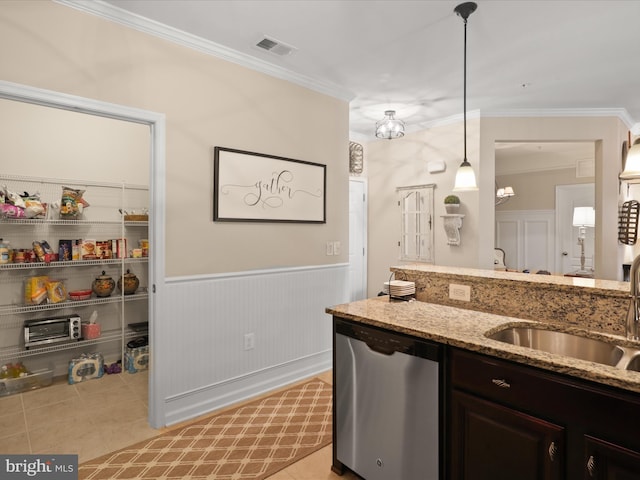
(390, 127)
(465, 177)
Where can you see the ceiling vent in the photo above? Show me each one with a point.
(275, 47)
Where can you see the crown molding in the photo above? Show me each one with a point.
(620, 113)
(151, 27)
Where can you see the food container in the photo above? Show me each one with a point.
(5, 252)
(128, 283)
(88, 250)
(103, 285)
(80, 295)
(144, 246)
(136, 218)
(37, 379)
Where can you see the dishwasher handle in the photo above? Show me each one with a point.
(384, 350)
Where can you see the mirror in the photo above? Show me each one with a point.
(535, 226)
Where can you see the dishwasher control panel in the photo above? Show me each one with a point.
(386, 342)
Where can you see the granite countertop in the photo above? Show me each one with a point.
(596, 285)
(466, 329)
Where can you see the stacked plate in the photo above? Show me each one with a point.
(399, 288)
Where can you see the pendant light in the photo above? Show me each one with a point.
(465, 177)
(631, 171)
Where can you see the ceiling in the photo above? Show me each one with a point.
(408, 55)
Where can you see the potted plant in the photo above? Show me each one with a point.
(451, 203)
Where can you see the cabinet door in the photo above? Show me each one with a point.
(607, 461)
(493, 442)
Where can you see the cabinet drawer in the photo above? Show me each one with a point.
(503, 381)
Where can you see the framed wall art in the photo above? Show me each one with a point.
(255, 187)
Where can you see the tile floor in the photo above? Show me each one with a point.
(101, 416)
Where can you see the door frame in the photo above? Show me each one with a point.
(157, 127)
(364, 183)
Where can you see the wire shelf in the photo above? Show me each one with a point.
(72, 263)
(21, 352)
(13, 309)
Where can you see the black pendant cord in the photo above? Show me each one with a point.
(464, 94)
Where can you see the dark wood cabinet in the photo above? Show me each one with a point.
(608, 461)
(494, 442)
(511, 421)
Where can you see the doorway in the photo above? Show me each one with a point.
(156, 124)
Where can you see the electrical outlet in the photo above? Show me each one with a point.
(460, 292)
(337, 248)
(249, 341)
(329, 248)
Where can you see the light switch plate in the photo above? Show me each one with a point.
(329, 248)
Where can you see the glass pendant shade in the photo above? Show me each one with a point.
(390, 127)
(632, 164)
(465, 178)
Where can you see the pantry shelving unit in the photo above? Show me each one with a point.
(102, 220)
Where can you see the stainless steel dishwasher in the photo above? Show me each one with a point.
(386, 404)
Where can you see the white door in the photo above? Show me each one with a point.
(568, 250)
(357, 239)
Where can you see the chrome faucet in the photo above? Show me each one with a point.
(633, 317)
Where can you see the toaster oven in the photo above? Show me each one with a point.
(51, 330)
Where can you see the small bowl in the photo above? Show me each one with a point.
(80, 295)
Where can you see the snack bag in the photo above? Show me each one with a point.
(33, 207)
(72, 203)
(35, 290)
(56, 291)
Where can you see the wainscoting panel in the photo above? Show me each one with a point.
(528, 239)
(208, 318)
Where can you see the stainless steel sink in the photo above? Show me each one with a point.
(571, 345)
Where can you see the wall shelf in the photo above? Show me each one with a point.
(452, 226)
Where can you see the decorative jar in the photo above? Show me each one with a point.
(103, 285)
(128, 283)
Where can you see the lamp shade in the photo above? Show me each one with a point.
(632, 163)
(465, 178)
(584, 217)
(508, 192)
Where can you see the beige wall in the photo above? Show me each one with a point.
(606, 132)
(537, 190)
(52, 143)
(208, 102)
(403, 161)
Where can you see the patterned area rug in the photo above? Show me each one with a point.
(253, 441)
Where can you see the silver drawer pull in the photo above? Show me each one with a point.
(553, 451)
(502, 383)
(591, 466)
